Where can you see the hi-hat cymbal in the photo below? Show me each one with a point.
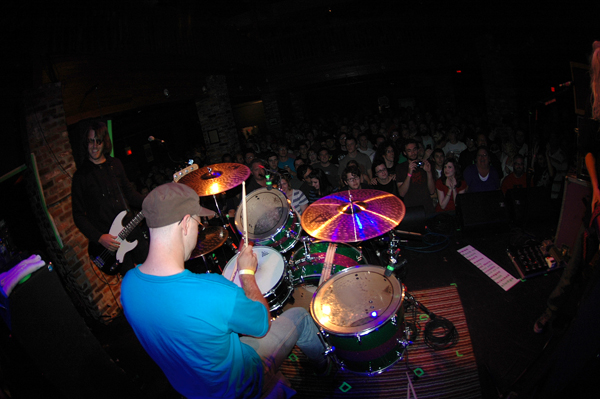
(215, 179)
(209, 239)
(354, 215)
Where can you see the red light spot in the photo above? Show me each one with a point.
(552, 89)
(129, 152)
(459, 71)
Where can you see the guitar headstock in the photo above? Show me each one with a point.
(178, 175)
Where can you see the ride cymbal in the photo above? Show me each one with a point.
(353, 215)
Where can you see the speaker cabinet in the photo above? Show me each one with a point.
(576, 197)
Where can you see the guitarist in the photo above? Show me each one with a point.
(100, 191)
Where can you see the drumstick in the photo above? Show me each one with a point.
(244, 214)
(244, 228)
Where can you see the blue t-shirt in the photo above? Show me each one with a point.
(189, 324)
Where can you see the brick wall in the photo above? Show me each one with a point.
(48, 140)
(216, 115)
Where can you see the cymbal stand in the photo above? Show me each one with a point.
(226, 225)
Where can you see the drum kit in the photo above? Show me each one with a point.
(358, 308)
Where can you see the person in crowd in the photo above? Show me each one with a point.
(437, 160)
(388, 153)
(365, 146)
(239, 158)
(257, 179)
(467, 157)
(449, 186)
(285, 161)
(297, 197)
(273, 164)
(481, 176)
(303, 176)
(415, 182)
(364, 179)
(517, 178)
(363, 160)
(341, 149)
(249, 156)
(351, 179)
(509, 151)
(541, 172)
(326, 166)
(313, 157)
(211, 337)
(453, 146)
(320, 185)
(383, 181)
(303, 153)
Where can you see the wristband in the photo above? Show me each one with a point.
(246, 271)
(409, 174)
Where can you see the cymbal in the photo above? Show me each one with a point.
(214, 179)
(209, 239)
(354, 215)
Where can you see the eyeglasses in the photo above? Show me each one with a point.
(96, 140)
(381, 170)
(350, 179)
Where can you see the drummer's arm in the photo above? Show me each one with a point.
(248, 261)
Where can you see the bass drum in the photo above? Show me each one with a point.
(307, 262)
(360, 313)
(272, 276)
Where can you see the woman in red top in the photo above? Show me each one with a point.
(449, 185)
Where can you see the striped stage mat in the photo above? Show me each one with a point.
(446, 373)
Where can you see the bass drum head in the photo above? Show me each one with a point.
(356, 301)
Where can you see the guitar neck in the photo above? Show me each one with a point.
(131, 225)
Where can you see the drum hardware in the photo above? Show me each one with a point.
(432, 336)
(308, 262)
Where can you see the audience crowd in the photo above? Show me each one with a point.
(427, 159)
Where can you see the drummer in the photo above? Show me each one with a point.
(209, 336)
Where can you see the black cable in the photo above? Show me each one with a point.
(440, 333)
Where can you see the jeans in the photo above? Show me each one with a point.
(295, 326)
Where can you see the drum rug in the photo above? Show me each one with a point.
(442, 373)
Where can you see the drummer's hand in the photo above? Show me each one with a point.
(231, 213)
(247, 259)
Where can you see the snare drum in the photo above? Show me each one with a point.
(360, 313)
(271, 219)
(272, 277)
(307, 267)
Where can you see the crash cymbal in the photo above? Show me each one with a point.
(354, 215)
(214, 179)
(209, 239)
